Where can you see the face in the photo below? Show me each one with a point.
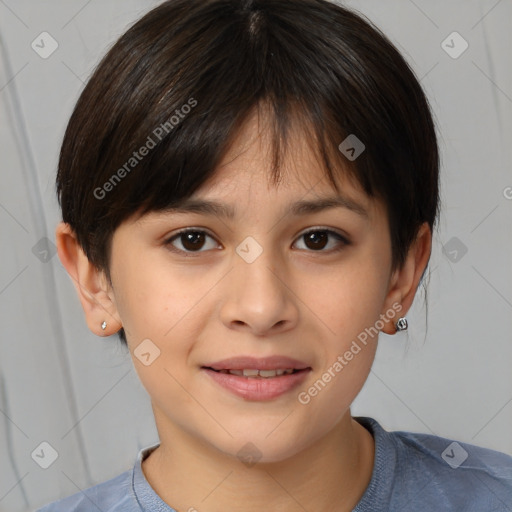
(272, 288)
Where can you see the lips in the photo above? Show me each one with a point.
(262, 374)
(253, 363)
(258, 379)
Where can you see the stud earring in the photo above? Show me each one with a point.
(401, 324)
(104, 325)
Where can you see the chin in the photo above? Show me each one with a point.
(263, 448)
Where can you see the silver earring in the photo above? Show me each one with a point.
(104, 325)
(401, 324)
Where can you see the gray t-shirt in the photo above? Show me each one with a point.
(411, 471)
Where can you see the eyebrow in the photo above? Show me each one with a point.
(301, 207)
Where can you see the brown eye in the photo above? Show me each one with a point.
(196, 241)
(316, 240)
(191, 240)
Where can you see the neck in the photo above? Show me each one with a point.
(331, 474)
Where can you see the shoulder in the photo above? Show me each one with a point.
(452, 455)
(464, 476)
(435, 473)
(114, 495)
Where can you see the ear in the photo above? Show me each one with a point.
(404, 281)
(91, 284)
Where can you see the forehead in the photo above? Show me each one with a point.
(242, 182)
(246, 170)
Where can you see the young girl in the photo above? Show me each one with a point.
(249, 190)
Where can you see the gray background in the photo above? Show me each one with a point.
(61, 384)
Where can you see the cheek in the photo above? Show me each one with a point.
(329, 396)
(158, 306)
(350, 306)
(149, 296)
(351, 299)
(347, 362)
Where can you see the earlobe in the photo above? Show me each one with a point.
(90, 283)
(405, 280)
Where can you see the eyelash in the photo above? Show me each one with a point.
(344, 241)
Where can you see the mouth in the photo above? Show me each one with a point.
(253, 373)
(258, 367)
(258, 379)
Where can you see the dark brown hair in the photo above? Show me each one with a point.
(183, 79)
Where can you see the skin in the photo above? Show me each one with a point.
(296, 299)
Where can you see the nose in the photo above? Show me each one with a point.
(258, 297)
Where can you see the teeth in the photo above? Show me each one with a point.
(259, 373)
(267, 373)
